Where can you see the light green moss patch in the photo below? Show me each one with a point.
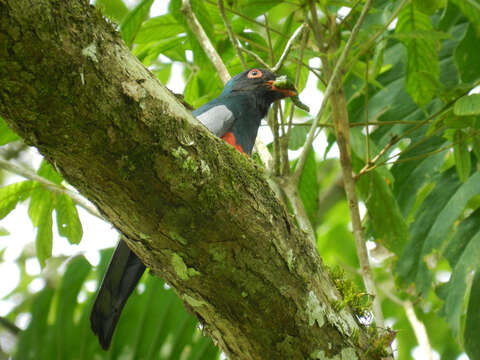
(290, 259)
(345, 354)
(315, 311)
(179, 152)
(91, 52)
(177, 237)
(192, 301)
(181, 268)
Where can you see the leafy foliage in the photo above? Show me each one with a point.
(409, 95)
(60, 326)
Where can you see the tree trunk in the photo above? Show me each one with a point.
(196, 211)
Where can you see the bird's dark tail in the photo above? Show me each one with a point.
(123, 273)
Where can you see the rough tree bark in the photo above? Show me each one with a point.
(197, 212)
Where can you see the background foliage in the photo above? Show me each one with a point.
(409, 83)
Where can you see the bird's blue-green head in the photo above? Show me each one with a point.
(258, 83)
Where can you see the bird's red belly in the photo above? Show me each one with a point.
(229, 137)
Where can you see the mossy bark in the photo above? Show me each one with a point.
(196, 211)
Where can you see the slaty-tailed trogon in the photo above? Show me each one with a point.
(235, 116)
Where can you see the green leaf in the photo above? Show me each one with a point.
(462, 156)
(68, 223)
(44, 238)
(12, 194)
(435, 219)
(31, 343)
(159, 28)
(298, 135)
(422, 35)
(467, 105)
(113, 9)
(40, 201)
(133, 21)
(163, 73)
(387, 221)
(429, 6)
(445, 218)
(308, 186)
(462, 253)
(40, 212)
(149, 52)
(65, 323)
(411, 176)
(48, 172)
(254, 8)
(6, 134)
(467, 60)
(472, 323)
(471, 9)
(423, 69)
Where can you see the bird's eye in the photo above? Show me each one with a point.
(254, 74)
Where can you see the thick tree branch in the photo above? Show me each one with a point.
(196, 211)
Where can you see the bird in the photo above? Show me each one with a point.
(234, 116)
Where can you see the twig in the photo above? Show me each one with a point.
(420, 156)
(10, 326)
(286, 139)
(59, 189)
(204, 41)
(342, 133)
(273, 123)
(291, 190)
(418, 327)
(256, 57)
(367, 128)
(231, 35)
(419, 330)
(269, 40)
(330, 88)
(288, 46)
(369, 164)
(211, 2)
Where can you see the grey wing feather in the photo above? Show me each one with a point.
(217, 119)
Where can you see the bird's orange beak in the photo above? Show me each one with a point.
(285, 92)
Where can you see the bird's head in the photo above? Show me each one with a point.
(259, 83)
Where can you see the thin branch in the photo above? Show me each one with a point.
(418, 326)
(286, 139)
(368, 165)
(10, 326)
(59, 189)
(291, 190)
(367, 128)
(342, 134)
(256, 57)
(211, 2)
(288, 46)
(273, 123)
(269, 40)
(330, 87)
(204, 41)
(424, 155)
(231, 35)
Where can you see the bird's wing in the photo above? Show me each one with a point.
(123, 273)
(216, 117)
